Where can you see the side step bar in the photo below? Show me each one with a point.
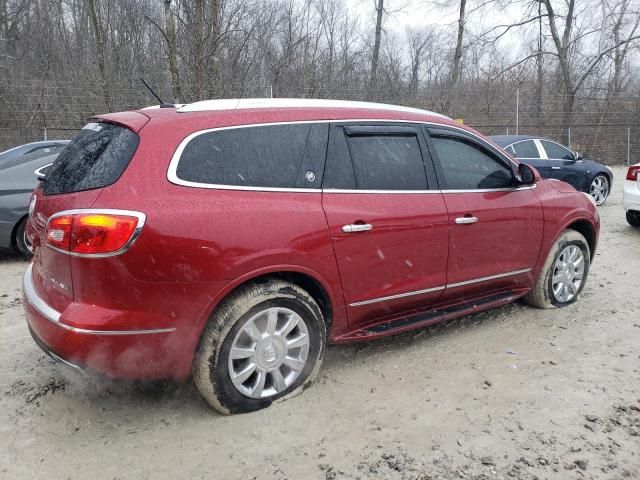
(402, 324)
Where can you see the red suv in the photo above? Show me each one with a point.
(234, 239)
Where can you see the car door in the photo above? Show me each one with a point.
(387, 221)
(496, 226)
(564, 165)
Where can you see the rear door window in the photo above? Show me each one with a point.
(95, 158)
(526, 149)
(271, 156)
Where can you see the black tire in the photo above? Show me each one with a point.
(20, 240)
(541, 295)
(633, 218)
(210, 368)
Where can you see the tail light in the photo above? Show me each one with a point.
(633, 173)
(94, 232)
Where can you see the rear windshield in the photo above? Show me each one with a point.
(95, 158)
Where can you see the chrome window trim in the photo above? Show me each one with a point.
(53, 315)
(172, 176)
(38, 171)
(142, 218)
(439, 192)
(442, 287)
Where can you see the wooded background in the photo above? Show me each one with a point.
(567, 69)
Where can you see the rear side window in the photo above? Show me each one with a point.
(468, 167)
(526, 149)
(272, 156)
(95, 158)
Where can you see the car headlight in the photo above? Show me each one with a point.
(591, 199)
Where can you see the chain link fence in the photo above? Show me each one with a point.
(604, 130)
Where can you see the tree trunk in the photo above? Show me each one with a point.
(170, 28)
(373, 81)
(198, 54)
(99, 38)
(456, 66)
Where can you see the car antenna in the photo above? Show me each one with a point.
(162, 104)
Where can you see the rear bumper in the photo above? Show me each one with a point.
(631, 195)
(127, 354)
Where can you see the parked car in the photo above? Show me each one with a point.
(554, 160)
(18, 178)
(631, 195)
(235, 238)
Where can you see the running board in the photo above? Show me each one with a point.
(429, 317)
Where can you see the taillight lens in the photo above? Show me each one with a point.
(58, 233)
(93, 233)
(633, 173)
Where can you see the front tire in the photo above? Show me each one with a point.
(265, 343)
(564, 273)
(599, 188)
(633, 218)
(22, 244)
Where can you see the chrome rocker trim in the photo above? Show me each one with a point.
(53, 315)
(442, 287)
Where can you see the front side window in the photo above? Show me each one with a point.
(526, 149)
(272, 156)
(387, 162)
(555, 151)
(468, 167)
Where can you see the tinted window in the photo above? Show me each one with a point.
(468, 167)
(526, 149)
(556, 151)
(95, 158)
(276, 156)
(387, 162)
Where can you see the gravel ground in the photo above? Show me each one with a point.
(511, 393)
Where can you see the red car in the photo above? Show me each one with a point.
(234, 239)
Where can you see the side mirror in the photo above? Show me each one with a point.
(527, 175)
(577, 156)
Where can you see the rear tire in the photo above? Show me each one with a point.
(562, 267)
(274, 330)
(633, 218)
(20, 240)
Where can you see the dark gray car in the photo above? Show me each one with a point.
(18, 178)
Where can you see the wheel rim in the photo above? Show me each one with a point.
(269, 352)
(26, 242)
(599, 189)
(568, 273)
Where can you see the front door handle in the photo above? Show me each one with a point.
(556, 168)
(466, 220)
(357, 227)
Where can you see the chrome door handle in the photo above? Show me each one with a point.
(556, 168)
(357, 227)
(466, 220)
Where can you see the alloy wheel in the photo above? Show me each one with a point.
(568, 273)
(269, 352)
(599, 189)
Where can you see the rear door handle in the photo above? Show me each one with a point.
(466, 220)
(357, 227)
(556, 168)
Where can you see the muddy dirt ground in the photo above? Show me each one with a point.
(511, 393)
